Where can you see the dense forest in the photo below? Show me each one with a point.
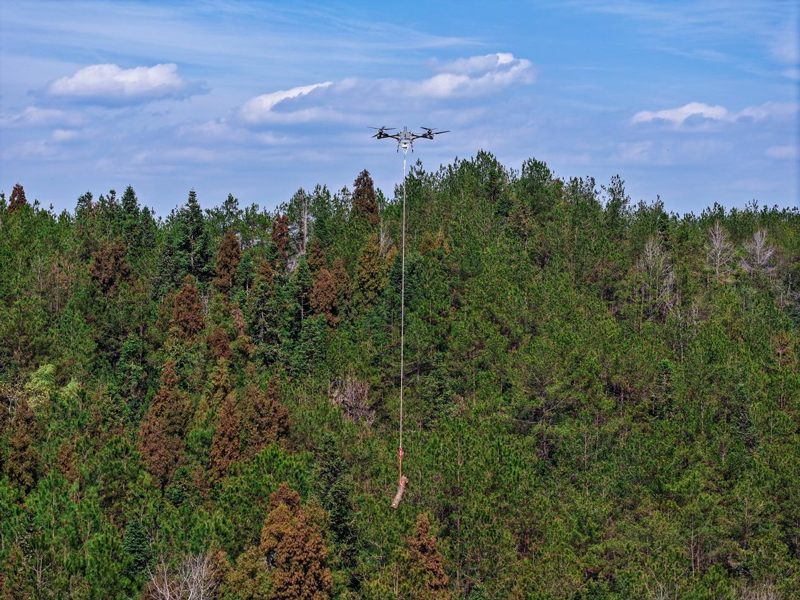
(602, 397)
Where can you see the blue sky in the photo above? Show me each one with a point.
(694, 101)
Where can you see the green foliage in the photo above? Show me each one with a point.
(601, 399)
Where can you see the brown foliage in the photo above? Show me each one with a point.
(66, 461)
(163, 428)
(267, 420)
(219, 344)
(187, 313)
(22, 466)
(230, 253)
(364, 202)
(316, 256)
(162, 453)
(242, 345)
(109, 267)
(323, 296)
(17, 199)
(226, 447)
(280, 235)
(426, 562)
(295, 551)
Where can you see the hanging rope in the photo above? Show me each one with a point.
(402, 481)
(402, 316)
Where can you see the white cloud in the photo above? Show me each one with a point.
(788, 152)
(634, 152)
(110, 82)
(466, 77)
(64, 135)
(678, 116)
(34, 116)
(474, 76)
(259, 109)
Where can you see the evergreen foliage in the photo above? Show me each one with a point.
(602, 397)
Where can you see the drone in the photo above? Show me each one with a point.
(405, 139)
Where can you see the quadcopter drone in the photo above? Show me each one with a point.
(405, 139)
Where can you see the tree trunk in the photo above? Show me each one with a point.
(401, 489)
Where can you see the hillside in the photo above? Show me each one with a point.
(602, 398)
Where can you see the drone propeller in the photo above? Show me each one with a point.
(431, 130)
(381, 128)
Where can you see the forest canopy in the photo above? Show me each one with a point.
(602, 397)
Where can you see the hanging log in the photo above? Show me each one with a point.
(401, 489)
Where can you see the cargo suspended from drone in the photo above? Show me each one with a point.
(405, 139)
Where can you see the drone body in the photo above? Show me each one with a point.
(405, 139)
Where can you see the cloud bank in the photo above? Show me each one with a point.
(706, 112)
(467, 77)
(109, 82)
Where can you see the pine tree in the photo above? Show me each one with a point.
(323, 297)
(264, 314)
(17, 199)
(219, 344)
(230, 253)
(304, 283)
(187, 313)
(280, 237)
(265, 418)
(109, 267)
(195, 239)
(370, 278)
(136, 544)
(226, 447)
(22, 466)
(333, 491)
(295, 551)
(364, 203)
(163, 429)
(426, 571)
(342, 282)
(316, 256)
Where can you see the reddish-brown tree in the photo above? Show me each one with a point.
(109, 267)
(228, 257)
(426, 568)
(323, 296)
(226, 446)
(22, 466)
(17, 199)
(163, 428)
(364, 203)
(316, 256)
(280, 235)
(295, 551)
(219, 344)
(187, 313)
(266, 419)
